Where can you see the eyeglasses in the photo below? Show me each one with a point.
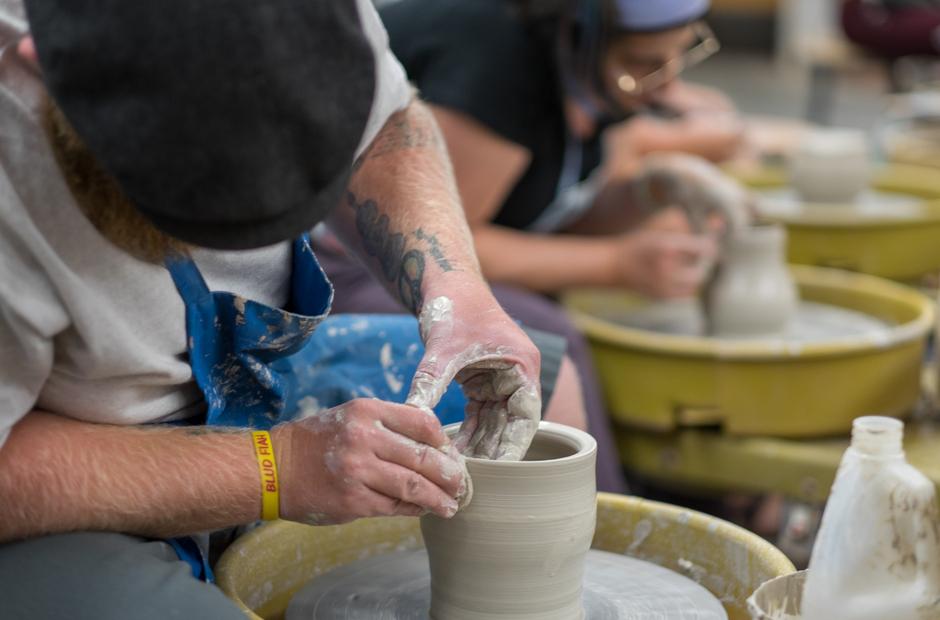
(706, 45)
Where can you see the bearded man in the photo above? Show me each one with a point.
(169, 369)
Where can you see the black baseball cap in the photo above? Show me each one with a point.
(228, 123)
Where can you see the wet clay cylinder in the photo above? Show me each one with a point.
(831, 166)
(517, 551)
(753, 293)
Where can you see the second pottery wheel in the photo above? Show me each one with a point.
(396, 586)
(772, 387)
(784, 203)
(892, 230)
(811, 322)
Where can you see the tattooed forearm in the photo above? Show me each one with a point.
(401, 134)
(406, 134)
(401, 266)
(388, 248)
(410, 277)
(404, 269)
(404, 209)
(435, 248)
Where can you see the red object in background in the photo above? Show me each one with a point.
(892, 32)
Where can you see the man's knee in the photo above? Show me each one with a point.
(104, 575)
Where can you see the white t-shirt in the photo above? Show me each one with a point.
(86, 330)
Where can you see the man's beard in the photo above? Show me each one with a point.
(100, 197)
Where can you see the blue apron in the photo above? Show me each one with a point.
(258, 366)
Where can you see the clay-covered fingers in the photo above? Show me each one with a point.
(367, 458)
(377, 504)
(478, 383)
(413, 439)
(419, 425)
(503, 412)
(409, 487)
(492, 420)
(524, 410)
(432, 378)
(427, 387)
(468, 427)
(504, 429)
(435, 465)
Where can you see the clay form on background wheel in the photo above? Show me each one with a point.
(752, 293)
(517, 551)
(831, 166)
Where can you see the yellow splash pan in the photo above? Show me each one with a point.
(263, 570)
(891, 247)
(663, 382)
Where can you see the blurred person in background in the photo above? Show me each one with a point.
(539, 104)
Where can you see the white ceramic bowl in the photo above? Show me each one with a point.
(831, 166)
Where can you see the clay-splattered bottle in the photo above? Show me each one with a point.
(877, 555)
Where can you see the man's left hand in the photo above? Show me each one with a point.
(468, 337)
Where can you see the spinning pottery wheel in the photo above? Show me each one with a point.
(771, 387)
(397, 586)
(264, 569)
(913, 136)
(893, 231)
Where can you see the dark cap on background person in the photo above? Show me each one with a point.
(657, 15)
(589, 28)
(229, 124)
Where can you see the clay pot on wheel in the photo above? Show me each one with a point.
(517, 551)
(752, 293)
(831, 166)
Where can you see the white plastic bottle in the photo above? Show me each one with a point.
(877, 555)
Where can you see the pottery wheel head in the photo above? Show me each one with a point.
(396, 586)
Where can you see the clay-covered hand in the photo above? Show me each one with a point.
(664, 264)
(468, 337)
(696, 186)
(367, 458)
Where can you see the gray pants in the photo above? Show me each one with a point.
(103, 576)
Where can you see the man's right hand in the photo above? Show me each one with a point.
(367, 458)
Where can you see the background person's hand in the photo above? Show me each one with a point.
(664, 264)
(367, 458)
(468, 337)
(716, 137)
(696, 186)
(690, 98)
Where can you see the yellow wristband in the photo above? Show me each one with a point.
(264, 450)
